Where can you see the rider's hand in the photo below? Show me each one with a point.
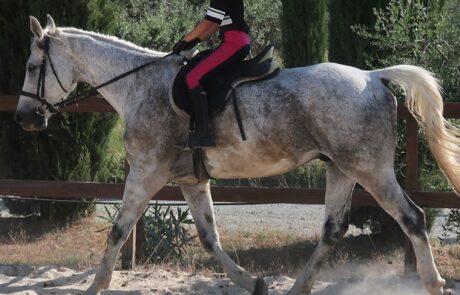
(185, 45)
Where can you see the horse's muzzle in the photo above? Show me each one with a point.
(31, 121)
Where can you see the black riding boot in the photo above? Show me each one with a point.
(204, 133)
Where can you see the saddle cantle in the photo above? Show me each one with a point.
(220, 85)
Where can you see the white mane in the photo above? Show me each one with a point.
(112, 40)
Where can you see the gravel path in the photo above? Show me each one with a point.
(298, 219)
(305, 220)
(302, 219)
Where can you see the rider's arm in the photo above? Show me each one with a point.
(202, 31)
(211, 23)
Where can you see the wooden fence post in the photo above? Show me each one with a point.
(132, 251)
(410, 261)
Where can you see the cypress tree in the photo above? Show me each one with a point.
(304, 32)
(73, 146)
(346, 47)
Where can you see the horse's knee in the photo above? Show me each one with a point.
(334, 231)
(414, 221)
(118, 234)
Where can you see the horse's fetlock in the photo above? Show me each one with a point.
(207, 241)
(435, 287)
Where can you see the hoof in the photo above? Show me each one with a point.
(436, 287)
(92, 291)
(261, 287)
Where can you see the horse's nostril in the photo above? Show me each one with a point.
(41, 111)
(18, 118)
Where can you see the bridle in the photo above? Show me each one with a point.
(40, 94)
(57, 107)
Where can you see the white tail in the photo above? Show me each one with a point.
(424, 101)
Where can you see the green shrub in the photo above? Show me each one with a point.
(167, 232)
(112, 170)
(452, 223)
(422, 33)
(166, 229)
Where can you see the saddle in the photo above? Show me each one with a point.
(221, 85)
(219, 88)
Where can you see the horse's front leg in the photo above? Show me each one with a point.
(141, 185)
(199, 200)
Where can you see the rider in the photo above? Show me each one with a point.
(228, 16)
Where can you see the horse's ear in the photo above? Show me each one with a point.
(35, 27)
(50, 23)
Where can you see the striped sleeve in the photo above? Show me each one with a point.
(216, 11)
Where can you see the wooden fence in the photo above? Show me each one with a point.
(92, 190)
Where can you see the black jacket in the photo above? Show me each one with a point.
(229, 14)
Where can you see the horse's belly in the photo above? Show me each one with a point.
(230, 163)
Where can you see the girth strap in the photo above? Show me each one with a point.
(238, 114)
(201, 173)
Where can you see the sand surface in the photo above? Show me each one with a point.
(59, 281)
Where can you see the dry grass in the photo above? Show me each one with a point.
(271, 253)
(37, 243)
(265, 252)
(447, 259)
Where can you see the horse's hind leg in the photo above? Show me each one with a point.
(339, 190)
(382, 184)
(199, 200)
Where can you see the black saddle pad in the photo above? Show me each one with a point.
(217, 86)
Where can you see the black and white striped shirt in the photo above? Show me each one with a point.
(228, 13)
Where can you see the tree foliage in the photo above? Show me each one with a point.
(345, 46)
(158, 24)
(412, 33)
(422, 33)
(73, 147)
(305, 32)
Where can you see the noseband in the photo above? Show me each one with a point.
(40, 95)
(55, 108)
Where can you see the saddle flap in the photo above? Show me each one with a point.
(265, 54)
(256, 69)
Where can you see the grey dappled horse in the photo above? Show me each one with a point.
(338, 113)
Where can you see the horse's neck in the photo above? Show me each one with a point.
(97, 62)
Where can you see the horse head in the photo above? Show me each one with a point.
(49, 77)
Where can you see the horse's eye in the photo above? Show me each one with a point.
(31, 67)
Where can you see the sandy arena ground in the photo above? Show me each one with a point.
(48, 280)
(26, 280)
